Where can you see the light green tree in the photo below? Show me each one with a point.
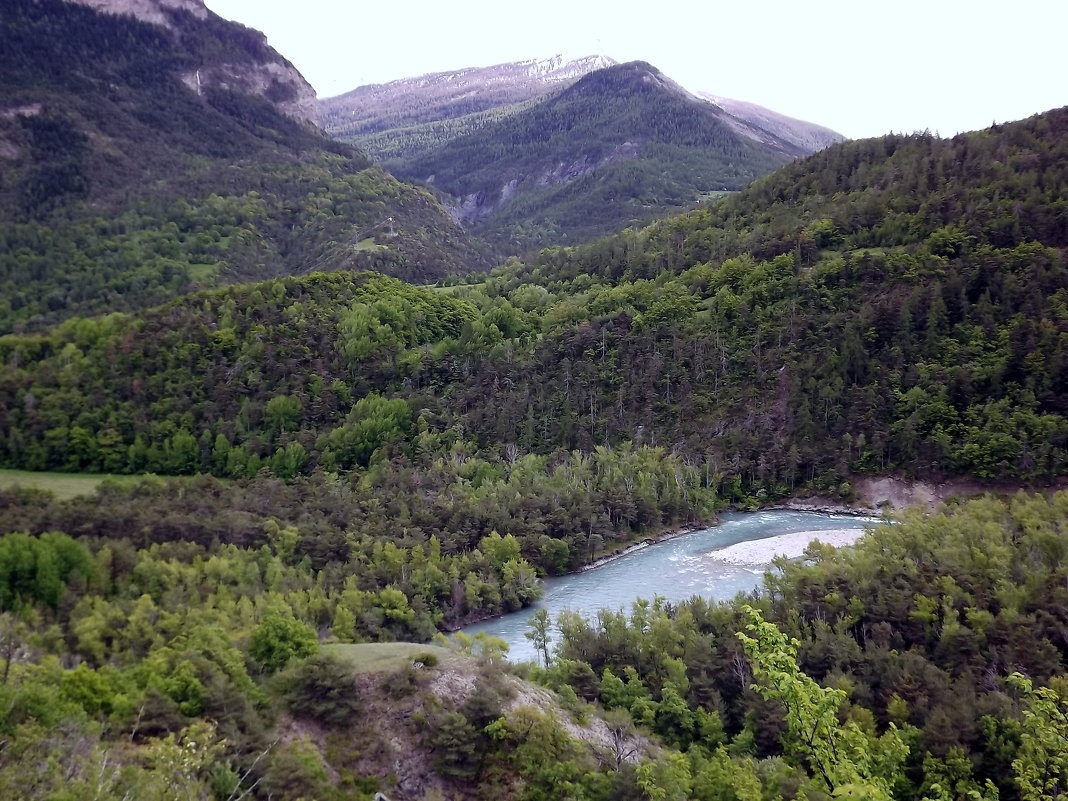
(538, 633)
(1041, 765)
(843, 758)
(279, 638)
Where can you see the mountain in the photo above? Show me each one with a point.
(156, 148)
(226, 55)
(435, 126)
(396, 122)
(618, 147)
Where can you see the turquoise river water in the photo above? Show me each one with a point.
(712, 562)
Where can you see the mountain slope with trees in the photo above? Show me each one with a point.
(618, 146)
(887, 304)
(895, 304)
(135, 164)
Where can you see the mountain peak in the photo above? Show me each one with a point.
(565, 67)
(633, 76)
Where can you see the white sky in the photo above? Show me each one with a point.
(860, 67)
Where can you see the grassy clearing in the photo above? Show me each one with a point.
(379, 657)
(64, 485)
(203, 273)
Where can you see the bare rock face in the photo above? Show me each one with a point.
(756, 122)
(147, 10)
(278, 81)
(273, 78)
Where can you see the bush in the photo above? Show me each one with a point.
(280, 638)
(322, 687)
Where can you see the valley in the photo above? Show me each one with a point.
(274, 421)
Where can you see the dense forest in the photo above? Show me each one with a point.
(925, 663)
(769, 350)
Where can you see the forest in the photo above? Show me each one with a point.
(927, 662)
(769, 351)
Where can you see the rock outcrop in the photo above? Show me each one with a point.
(258, 70)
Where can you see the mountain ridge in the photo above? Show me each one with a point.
(438, 96)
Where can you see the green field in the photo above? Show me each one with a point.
(63, 485)
(378, 657)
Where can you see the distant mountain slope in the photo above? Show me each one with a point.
(618, 147)
(143, 159)
(523, 172)
(805, 136)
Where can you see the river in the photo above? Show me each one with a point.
(716, 563)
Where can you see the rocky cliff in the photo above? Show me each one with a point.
(232, 57)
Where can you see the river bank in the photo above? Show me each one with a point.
(666, 534)
(873, 496)
(675, 567)
(792, 546)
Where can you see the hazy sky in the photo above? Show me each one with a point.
(861, 67)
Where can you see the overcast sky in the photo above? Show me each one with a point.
(861, 67)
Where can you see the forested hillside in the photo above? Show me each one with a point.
(121, 184)
(928, 663)
(889, 305)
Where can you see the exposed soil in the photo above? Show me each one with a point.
(391, 740)
(889, 493)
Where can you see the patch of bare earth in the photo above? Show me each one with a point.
(887, 493)
(391, 741)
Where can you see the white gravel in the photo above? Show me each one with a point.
(792, 546)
